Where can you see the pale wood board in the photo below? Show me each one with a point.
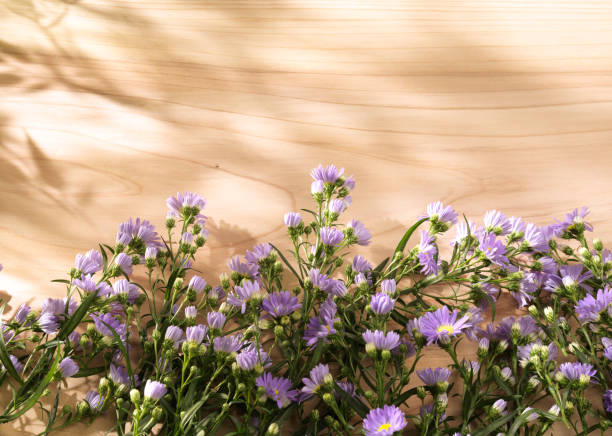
(108, 107)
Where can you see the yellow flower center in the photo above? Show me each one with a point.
(276, 391)
(385, 426)
(446, 328)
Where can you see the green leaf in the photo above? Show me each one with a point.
(489, 429)
(77, 317)
(361, 409)
(67, 282)
(402, 244)
(4, 356)
(286, 262)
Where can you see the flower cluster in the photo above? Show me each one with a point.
(309, 332)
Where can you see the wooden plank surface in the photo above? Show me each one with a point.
(108, 107)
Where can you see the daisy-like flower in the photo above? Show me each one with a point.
(88, 284)
(359, 231)
(185, 204)
(95, 400)
(388, 286)
(577, 371)
(431, 376)
(124, 262)
(48, 323)
(228, 344)
(575, 220)
(280, 303)
(361, 264)
(277, 388)
(246, 269)
(570, 277)
(427, 254)
(317, 187)
(381, 303)
(337, 206)
(68, 367)
(607, 346)
(16, 364)
(381, 341)
(259, 252)
(22, 312)
(242, 294)
(533, 239)
(328, 174)
(216, 320)
(493, 249)
(292, 219)
(196, 333)
(138, 235)
(119, 375)
(497, 223)
(436, 211)
(441, 325)
(250, 356)
(89, 263)
(191, 312)
(384, 421)
(175, 335)
(607, 400)
(589, 309)
(543, 352)
(106, 324)
(499, 406)
(127, 289)
(331, 236)
(154, 390)
(318, 376)
(197, 283)
(319, 327)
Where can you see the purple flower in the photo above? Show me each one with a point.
(533, 238)
(22, 312)
(74, 339)
(137, 233)
(496, 222)
(318, 375)
(475, 317)
(95, 400)
(437, 212)
(68, 367)
(250, 357)
(119, 375)
(277, 388)
(89, 285)
(242, 294)
(154, 390)
(130, 290)
(48, 323)
(59, 306)
(89, 263)
(360, 264)
(187, 238)
(151, 253)
(590, 308)
(517, 225)
(216, 320)
(197, 283)
(569, 276)
(362, 234)
(493, 249)
(384, 422)
(462, 232)
(216, 293)
(607, 348)
(427, 254)
(577, 371)
(124, 262)
(327, 174)
(280, 303)
(381, 304)
(431, 376)
(317, 187)
(292, 219)
(191, 312)
(525, 352)
(174, 334)
(16, 364)
(380, 340)
(526, 326)
(347, 387)
(260, 251)
(106, 323)
(607, 400)
(337, 206)
(196, 334)
(527, 286)
(188, 203)
(319, 327)
(246, 269)
(576, 217)
(331, 236)
(228, 344)
(388, 286)
(441, 325)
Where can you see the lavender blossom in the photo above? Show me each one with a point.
(175, 335)
(48, 323)
(431, 376)
(243, 294)
(228, 344)
(216, 320)
(89, 285)
(292, 219)
(607, 400)
(16, 364)
(154, 390)
(441, 325)
(607, 348)
(138, 234)
(22, 312)
(188, 203)
(191, 312)
(124, 262)
(337, 206)
(197, 283)
(280, 303)
(68, 367)
(361, 264)
(577, 371)
(250, 357)
(89, 263)
(119, 375)
(439, 214)
(124, 288)
(462, 232)
(381, 304)
(317, 187)
(260, 251)
(497, 223)
(331, 236)
(493, 249)
(245, 269)
(318, 375)
(388, 286)
(329, 174)
(319, 327)
(359, 231)
(427, 254)
(576, 218)
(106, 324)
(196, 334)
(95, 400)
(384, 422)
(589, 309)
(533, 239)
(379, 340)
(277, 388)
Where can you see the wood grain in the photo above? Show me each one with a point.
(108, 107)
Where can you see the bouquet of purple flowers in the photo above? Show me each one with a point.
(312, 340)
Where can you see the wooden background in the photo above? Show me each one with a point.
(107, 107)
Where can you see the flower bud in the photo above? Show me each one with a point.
(385, 355)
(273, 429)
(83, 408)
(533, 311)
(370, 349)
(157, 413)
(597, 244)
(584, 253)
(421, 393)
(135, 396)
(549, 313)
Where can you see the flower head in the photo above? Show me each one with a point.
(441, 325)
(384, 421)
(590, 308)
(331, 236)
(138, 235)
(154, 390)
(119, 375)
(388, 286)
(319, 327)
(381, 340)
(497, 223)
(277, 388)
(89, 263)
(175, 335)
(327, 174)
(196, 333)
(607, 400)
(242, 294)
(185, 204)
(250, 356)
(576, 219)
(228, 344)
(197, 283)
(259, 252)
(124, 262)
(428, 254)
(431, 376)
(95, 400)
(577, 370)
(292, 219)
(381, 304)
(107, 325)
(318, 375)
(280, 303)
(129, 290)
(359, 231)
(216, 320)
(493, 249)
(68, 367)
